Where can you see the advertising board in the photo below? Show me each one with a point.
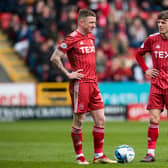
(123, 93)
(20, 94)
(53, 94)
(138, 112)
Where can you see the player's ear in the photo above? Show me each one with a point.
(81, 21)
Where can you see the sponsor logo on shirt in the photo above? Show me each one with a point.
(161, 54)
(87, 49)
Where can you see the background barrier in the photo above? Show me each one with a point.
(18, 94)
(138, 112)
(123, 101)
(124, 92)
(53, 94)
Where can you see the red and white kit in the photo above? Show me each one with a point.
(158, 48)
(80, 50)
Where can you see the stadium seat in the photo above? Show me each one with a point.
(5, 19)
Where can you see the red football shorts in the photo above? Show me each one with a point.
(157, 101)
(85, 97)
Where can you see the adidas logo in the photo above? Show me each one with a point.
(79, 143)
(149, 139)
(81, 43)
(158, 46)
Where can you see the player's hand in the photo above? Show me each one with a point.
(76, 74)
(152, 72)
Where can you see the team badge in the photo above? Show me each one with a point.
(91, 41)
(81, 107)
(63, 45)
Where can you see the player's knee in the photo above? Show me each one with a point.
(78, 122)
(100, 122)
(154, 119)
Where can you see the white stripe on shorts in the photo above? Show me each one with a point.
(76, 92)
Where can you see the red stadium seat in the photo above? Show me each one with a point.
(5, 19)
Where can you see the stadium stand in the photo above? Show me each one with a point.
(4, 78)
(34, 27)
(14, 67)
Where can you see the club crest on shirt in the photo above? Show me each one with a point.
(91, 41)
(63, 45)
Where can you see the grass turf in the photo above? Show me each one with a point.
(47, 144)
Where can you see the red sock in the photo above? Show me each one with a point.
(76, 135)
(98, 137)
(153, 133)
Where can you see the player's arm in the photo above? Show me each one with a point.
(56, 59)
(149, 72)
(140, 59)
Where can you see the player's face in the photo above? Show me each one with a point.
(162, 26)
(89, 23)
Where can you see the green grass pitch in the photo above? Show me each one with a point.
(47, 144)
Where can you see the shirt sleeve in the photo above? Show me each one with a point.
(144, 48)
(66, 44)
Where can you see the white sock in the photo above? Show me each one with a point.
(151, 151)
(97, 155)
(79, 155)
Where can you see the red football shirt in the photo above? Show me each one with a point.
(80, 50)
(158, 48)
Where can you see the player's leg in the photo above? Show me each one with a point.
(153, 130)
(98, 131)
(155, 106)
(79, 106)
(96, 108)
(76, 134)
(98, 137)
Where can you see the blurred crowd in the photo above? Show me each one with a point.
(34, 28)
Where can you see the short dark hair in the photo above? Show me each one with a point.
(163, 15)
(85, 13)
